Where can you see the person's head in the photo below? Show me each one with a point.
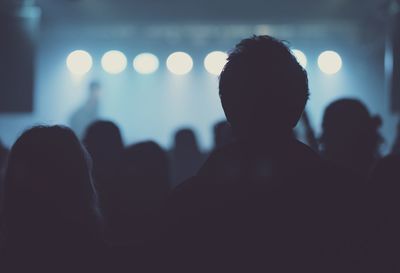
(103, 141)
(262, 87)
(349, 132)
(48, 182)
(147, 162)
(185, 141)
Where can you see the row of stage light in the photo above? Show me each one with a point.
(80, 62)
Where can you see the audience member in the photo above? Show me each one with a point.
(139, 194)
(104, 143)
(261, 201)
(185, 157)
(265, 202)
(51, 218)
(383, 238)
(350, 136)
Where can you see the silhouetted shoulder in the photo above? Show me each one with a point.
(246, 203)
(230, 160)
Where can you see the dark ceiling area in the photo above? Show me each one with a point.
(196, 11)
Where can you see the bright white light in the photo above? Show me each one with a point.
(179, 63)
(300, 57)
(145, 63)
(114, 62)
(215, 62)
(329, 62)
(79, 62)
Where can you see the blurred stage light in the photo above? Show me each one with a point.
(300, 57)
(145, 63)
(79, 62)
(179, 63)
(114, 62)
(215, 62)
(329, 62)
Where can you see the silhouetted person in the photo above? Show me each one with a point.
(350, 136)
(222, 134)
(88, 112)
(104, 143)
(52, 222)
(135, 222)
(186, 157)
(383, 240)
(139, 194)
(265, 202)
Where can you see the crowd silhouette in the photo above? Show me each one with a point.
(260, 201)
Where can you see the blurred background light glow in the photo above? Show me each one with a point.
(300, 57)
(114, 62)
(215, 62)
(330, 62)
(79, 62)
(179, 63)
(146, 63)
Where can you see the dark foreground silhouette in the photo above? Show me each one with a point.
(350, 136)
(51, 218)
(136, 199)
(261, 202)
(185, 157)
(266, 202)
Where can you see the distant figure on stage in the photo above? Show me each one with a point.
(88, 112)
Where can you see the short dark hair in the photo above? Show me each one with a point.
(262, 82)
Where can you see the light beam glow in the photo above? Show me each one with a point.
(114, 62)
(300, 57)
(330, 62)
(79, 62)
(146, 63)
(179, 63)
(215, 62)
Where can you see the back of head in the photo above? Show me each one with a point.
(146, 165)
(48, 184)
(262, 87)
(103, 141)
(350, 136)
(185, 141)
(347, 125)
